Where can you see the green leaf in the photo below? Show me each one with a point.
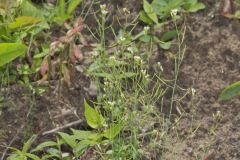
(44, 145)
(149, 11)
(144, 17)
(146, 38)
(68, 139)
(195, 7)
(72, 5)
(47, 157)
(61, 7)
(32, 156)
(159, 7)
(165, 45)
(10, 51)
(29, 9)
(81, 146)
(54, 152)
(93, 117)
(23, 21)
(83, 135)
(28, 144)
(113, 131)
(167, 36)
(230, 92)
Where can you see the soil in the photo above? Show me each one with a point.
(212, 61)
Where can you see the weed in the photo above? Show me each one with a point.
(125, 122)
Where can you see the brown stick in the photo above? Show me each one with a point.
(61, 127)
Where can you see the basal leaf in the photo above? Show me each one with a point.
(44, 145)
(144, 17)
(68, 139)
(29, 9)
(93, 117)
(113, 131)
(149, 11)
(61, 7)
(81, 135)
(23, 21)
(72, 5)
(167, 36)
(230, 92)
(28, 144)
(32, 156)
(82, 145)
(195, 7)
(10, 51)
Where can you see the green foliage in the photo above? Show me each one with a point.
(113, 131)
(23, 21)
(231, 91)
(24, 154)
(163, 9)
(150, 11)
(158, 12)
(10, 51)
(93, 116)
(64, 11)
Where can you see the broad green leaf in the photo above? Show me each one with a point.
(23, 21)
(159, 7)
(32, 156)
(167, 36)
(113, 131)
(93, 117)
(231, 91)
(144, 17)
(54, 152)
(81, 146)
(163, 45)
(68, 139)
(10, 51)
(47, 157)
(146, 38)
(173, 4)
(61, 7)
(81, 135)
(44, 145)
(29, 9)
(195, 7)
(149, 11)
(72, 5)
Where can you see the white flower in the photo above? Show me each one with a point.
(146, 28)
(174, 12)
(144, 71)
(103, 9)
(160, 66)
(125, 10)
(138, 59)
(193, 91)
(103, 6)
(112, 58)
(122, 38)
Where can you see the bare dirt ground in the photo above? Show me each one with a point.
(212, 61)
